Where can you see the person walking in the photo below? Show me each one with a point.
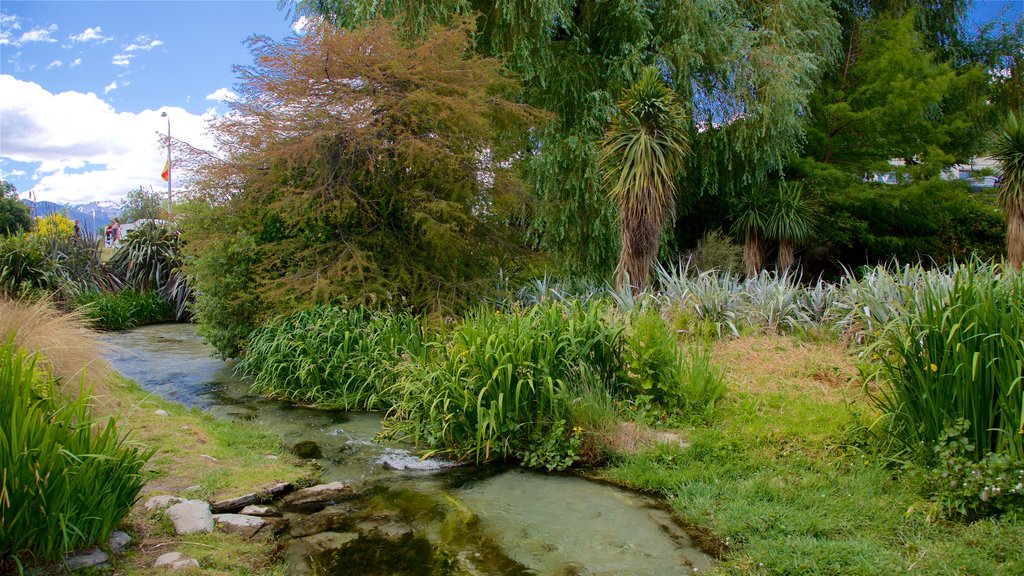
(78, 230)
(115, 229)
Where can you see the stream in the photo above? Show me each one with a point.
(418, 516)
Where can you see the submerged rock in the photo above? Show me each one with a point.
(325, 541)
(191, 516)
(87, 559)
(307, 449)
(317, 497)
(329, 519)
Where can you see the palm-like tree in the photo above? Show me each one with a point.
(1008, 150)
(643, 150)
(751, 212)
(791, 222)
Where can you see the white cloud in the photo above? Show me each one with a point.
(122, 59)
(146, 45)
(35, 35)
(110, 87)
(222, 95)
(299, 25)
(54, 64)
(8, 26)
(84, 149)
(91, 35)
(75, 62)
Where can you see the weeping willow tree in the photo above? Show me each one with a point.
(742, 69)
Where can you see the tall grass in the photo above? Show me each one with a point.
(68, 479)
(123, 310)
(957, 353)
(504, 378)
(332, 357)
(66, 349)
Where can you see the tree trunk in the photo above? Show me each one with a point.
(1015, 236)
(785, 256)
(753, 257)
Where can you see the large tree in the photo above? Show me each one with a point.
(1008, 150)
(644, 149)
(743, 70)
(357, 167)
(142, 204)
(14, 214)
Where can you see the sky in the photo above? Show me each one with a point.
(83, 85)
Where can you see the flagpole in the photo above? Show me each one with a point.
(170, 209)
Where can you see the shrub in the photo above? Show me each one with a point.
(332, 357)
(122, 310)
(68, 479)
(149, 259)
(957, 353)
(716, 251)
(60, 264)
(226, 307)
(652, 360)
(55, 224)
(505, 381)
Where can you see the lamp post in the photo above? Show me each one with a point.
(170, 208)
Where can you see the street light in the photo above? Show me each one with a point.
(170, 208)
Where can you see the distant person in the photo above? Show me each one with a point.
(78, 230)
(116, 230)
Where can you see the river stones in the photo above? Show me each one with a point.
(260, 510)
(307, 449)
(93, 558)
(329, 519)
(119, 542)
(175, 561)
(242, 524)
(386, 528)
(161, 502)
(191, 516)
(317, 497)
(325, 541)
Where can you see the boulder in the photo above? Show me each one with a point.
(175, 561)
(161, 502)
(386, 528)
(317, 497)
(239, 523)
(329, 519)
(236, 504)
(119, 542)
(86, 559)
(191, 516)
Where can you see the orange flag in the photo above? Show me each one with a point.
(166, 173)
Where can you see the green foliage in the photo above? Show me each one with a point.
(125, 309)
(504, 378)
(792, 221)
(743, 71)
(391, 204)
(14, 214)
(149, 259)
(932, 221)
(142, 204)
(68, 479)
(333, 357)
(702, 383)
(652, 360)
(716, 251)
(963, 485)
(958, 353)
(552, 449)
(1008, 150)
(61, 264)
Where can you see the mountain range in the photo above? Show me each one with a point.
(91, 215)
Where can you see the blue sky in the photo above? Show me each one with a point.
(82, 85)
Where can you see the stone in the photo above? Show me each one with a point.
(208, 457)
(191, 516)
(297, 555)
(161, 502)
(119, 542)
(260, 510)
(387, 529)
(87, 559)
(271, 457)
(317, 497)
(325, 541)
(239, 524)
(307, 449)
(161, 412)
(175, 561)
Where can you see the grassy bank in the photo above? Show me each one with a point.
(776, 485)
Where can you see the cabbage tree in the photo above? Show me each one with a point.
(642, 154)
(791, 222)
(1008, 150)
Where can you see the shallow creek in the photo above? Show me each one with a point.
(413, 516)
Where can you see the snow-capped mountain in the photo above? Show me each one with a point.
(91, 215)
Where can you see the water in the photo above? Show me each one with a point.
(420, 515)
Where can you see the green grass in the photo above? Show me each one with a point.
(122, 310)
(774, 487)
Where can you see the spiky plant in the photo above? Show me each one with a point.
(791, 222)
(1008, 150)
(642, 153)
(751, 213)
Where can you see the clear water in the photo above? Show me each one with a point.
(514, 521)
